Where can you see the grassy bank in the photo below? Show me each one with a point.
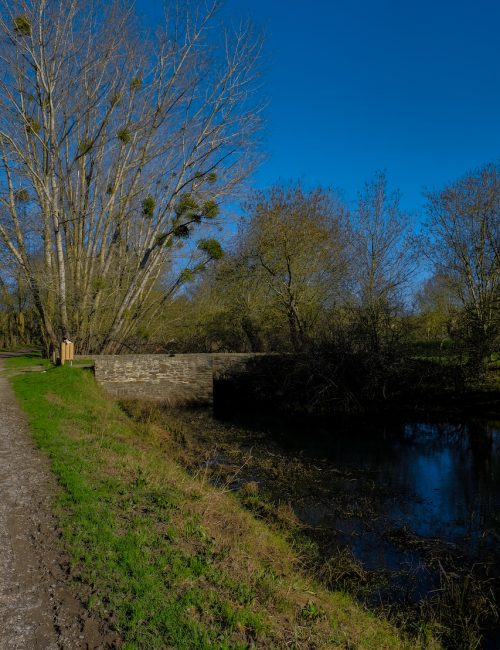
(167, 559)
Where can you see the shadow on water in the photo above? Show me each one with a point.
(412, 501)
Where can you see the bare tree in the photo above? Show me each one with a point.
(384, 262)
(464, 228)
(115, 144)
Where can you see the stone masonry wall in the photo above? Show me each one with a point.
(174, 379)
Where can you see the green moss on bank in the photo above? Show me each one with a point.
(172, 561)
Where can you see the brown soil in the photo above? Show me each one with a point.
(39, 608)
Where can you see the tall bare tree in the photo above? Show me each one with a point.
(464, 228)
(115, 144)
(384, 262)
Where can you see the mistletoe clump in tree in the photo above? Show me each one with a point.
(122, 144)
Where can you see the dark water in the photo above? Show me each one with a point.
(409, 499)
(440, 480)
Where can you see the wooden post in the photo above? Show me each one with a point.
(67, 351)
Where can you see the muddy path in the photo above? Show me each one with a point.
(39, 609)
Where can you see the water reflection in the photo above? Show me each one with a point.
(452, 472)
(441, 480)
(405, 497)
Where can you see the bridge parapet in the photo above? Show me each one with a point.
(177, 379)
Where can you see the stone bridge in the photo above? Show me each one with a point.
(175, 379)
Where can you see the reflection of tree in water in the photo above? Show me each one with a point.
(468, 457)
(480, 438)
(486, 462)
(435, 437)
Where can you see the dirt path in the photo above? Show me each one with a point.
(37, 609)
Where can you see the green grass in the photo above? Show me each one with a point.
(172, 561)
(27, 361)
(83, 362)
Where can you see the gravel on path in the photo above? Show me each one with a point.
(38, 608)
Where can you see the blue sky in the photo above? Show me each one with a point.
(360, 85)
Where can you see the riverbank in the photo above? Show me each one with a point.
(385, 509)
(166, 558)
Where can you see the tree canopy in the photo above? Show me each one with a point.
(464, 231)
(117, 145)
